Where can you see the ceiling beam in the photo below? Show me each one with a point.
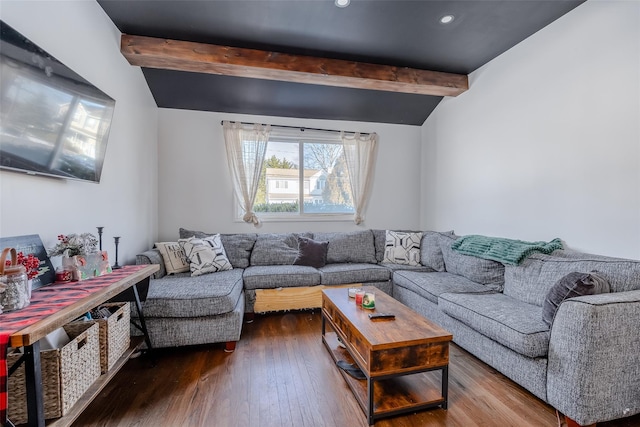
(167, 54)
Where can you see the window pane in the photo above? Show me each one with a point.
(323, 182)
(327, 187)
(278, 190)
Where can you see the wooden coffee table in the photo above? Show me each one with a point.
(396, 356)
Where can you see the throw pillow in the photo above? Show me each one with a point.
(205, 255)
(402, 248)
(572, 285)
(173, 257)
(311, 252)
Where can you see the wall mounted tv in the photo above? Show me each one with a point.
(52, 121)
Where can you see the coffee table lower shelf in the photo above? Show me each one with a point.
(385, 396)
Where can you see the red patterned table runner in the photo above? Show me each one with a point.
(44, 302)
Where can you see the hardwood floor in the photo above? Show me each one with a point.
(281, 375)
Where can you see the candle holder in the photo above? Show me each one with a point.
(116, 266)
(100, 237)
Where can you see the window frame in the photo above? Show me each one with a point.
(300, 137)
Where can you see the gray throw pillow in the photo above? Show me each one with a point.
(311, 253)
(572, 285)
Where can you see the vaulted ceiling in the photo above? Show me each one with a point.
(374, 60)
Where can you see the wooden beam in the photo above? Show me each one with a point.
(166, 54)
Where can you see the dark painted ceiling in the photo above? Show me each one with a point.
(392, 32)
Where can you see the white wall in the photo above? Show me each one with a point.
(546, 143)
(195, 188)
(79, 34)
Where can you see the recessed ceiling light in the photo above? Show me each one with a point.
(446, 19)
(342, 3)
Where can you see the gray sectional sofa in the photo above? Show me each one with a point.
(586, 363)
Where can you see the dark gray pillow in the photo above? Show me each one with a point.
(311, 253)
(572, 285)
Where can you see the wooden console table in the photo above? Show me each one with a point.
(55, 305)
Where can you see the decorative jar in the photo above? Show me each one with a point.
(14, 278)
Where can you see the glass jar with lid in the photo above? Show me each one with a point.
(15, 281)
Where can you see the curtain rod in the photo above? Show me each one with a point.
(301, 128)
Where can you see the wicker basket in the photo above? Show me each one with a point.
(67, 373)
(114, 334)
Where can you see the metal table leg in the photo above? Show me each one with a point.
(370, 392)
(143, 324)
(445, 386)
(33, 380)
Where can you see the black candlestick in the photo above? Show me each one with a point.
(116, 266)
(100, 237)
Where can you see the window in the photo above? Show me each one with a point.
(337, 167)
(304, 176)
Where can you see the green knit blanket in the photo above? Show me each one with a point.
(506, 251)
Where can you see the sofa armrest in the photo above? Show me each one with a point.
(152, 256)
(593, 370)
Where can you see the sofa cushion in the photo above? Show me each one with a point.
(205, 255)
(173, 257)
(339, 274)
(237, 246)
(276, 249)
(484, 271)
(531, 280)
(430, 251)
(398, 267)
(280, 276)
(512, 323)
(379, 241)
(354, 246)
(311, 252)
(402, 248)
(572, 285)
(431, 285)
(182, 295)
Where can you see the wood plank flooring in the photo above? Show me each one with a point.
(281, 375)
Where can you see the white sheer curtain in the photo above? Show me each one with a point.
(359, 152)
(246, 147)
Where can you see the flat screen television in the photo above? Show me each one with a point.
(52, 121)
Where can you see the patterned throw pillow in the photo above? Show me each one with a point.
(173, 256)
(205, 255)
(402, 248)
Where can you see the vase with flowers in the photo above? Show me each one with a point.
(79, 254)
